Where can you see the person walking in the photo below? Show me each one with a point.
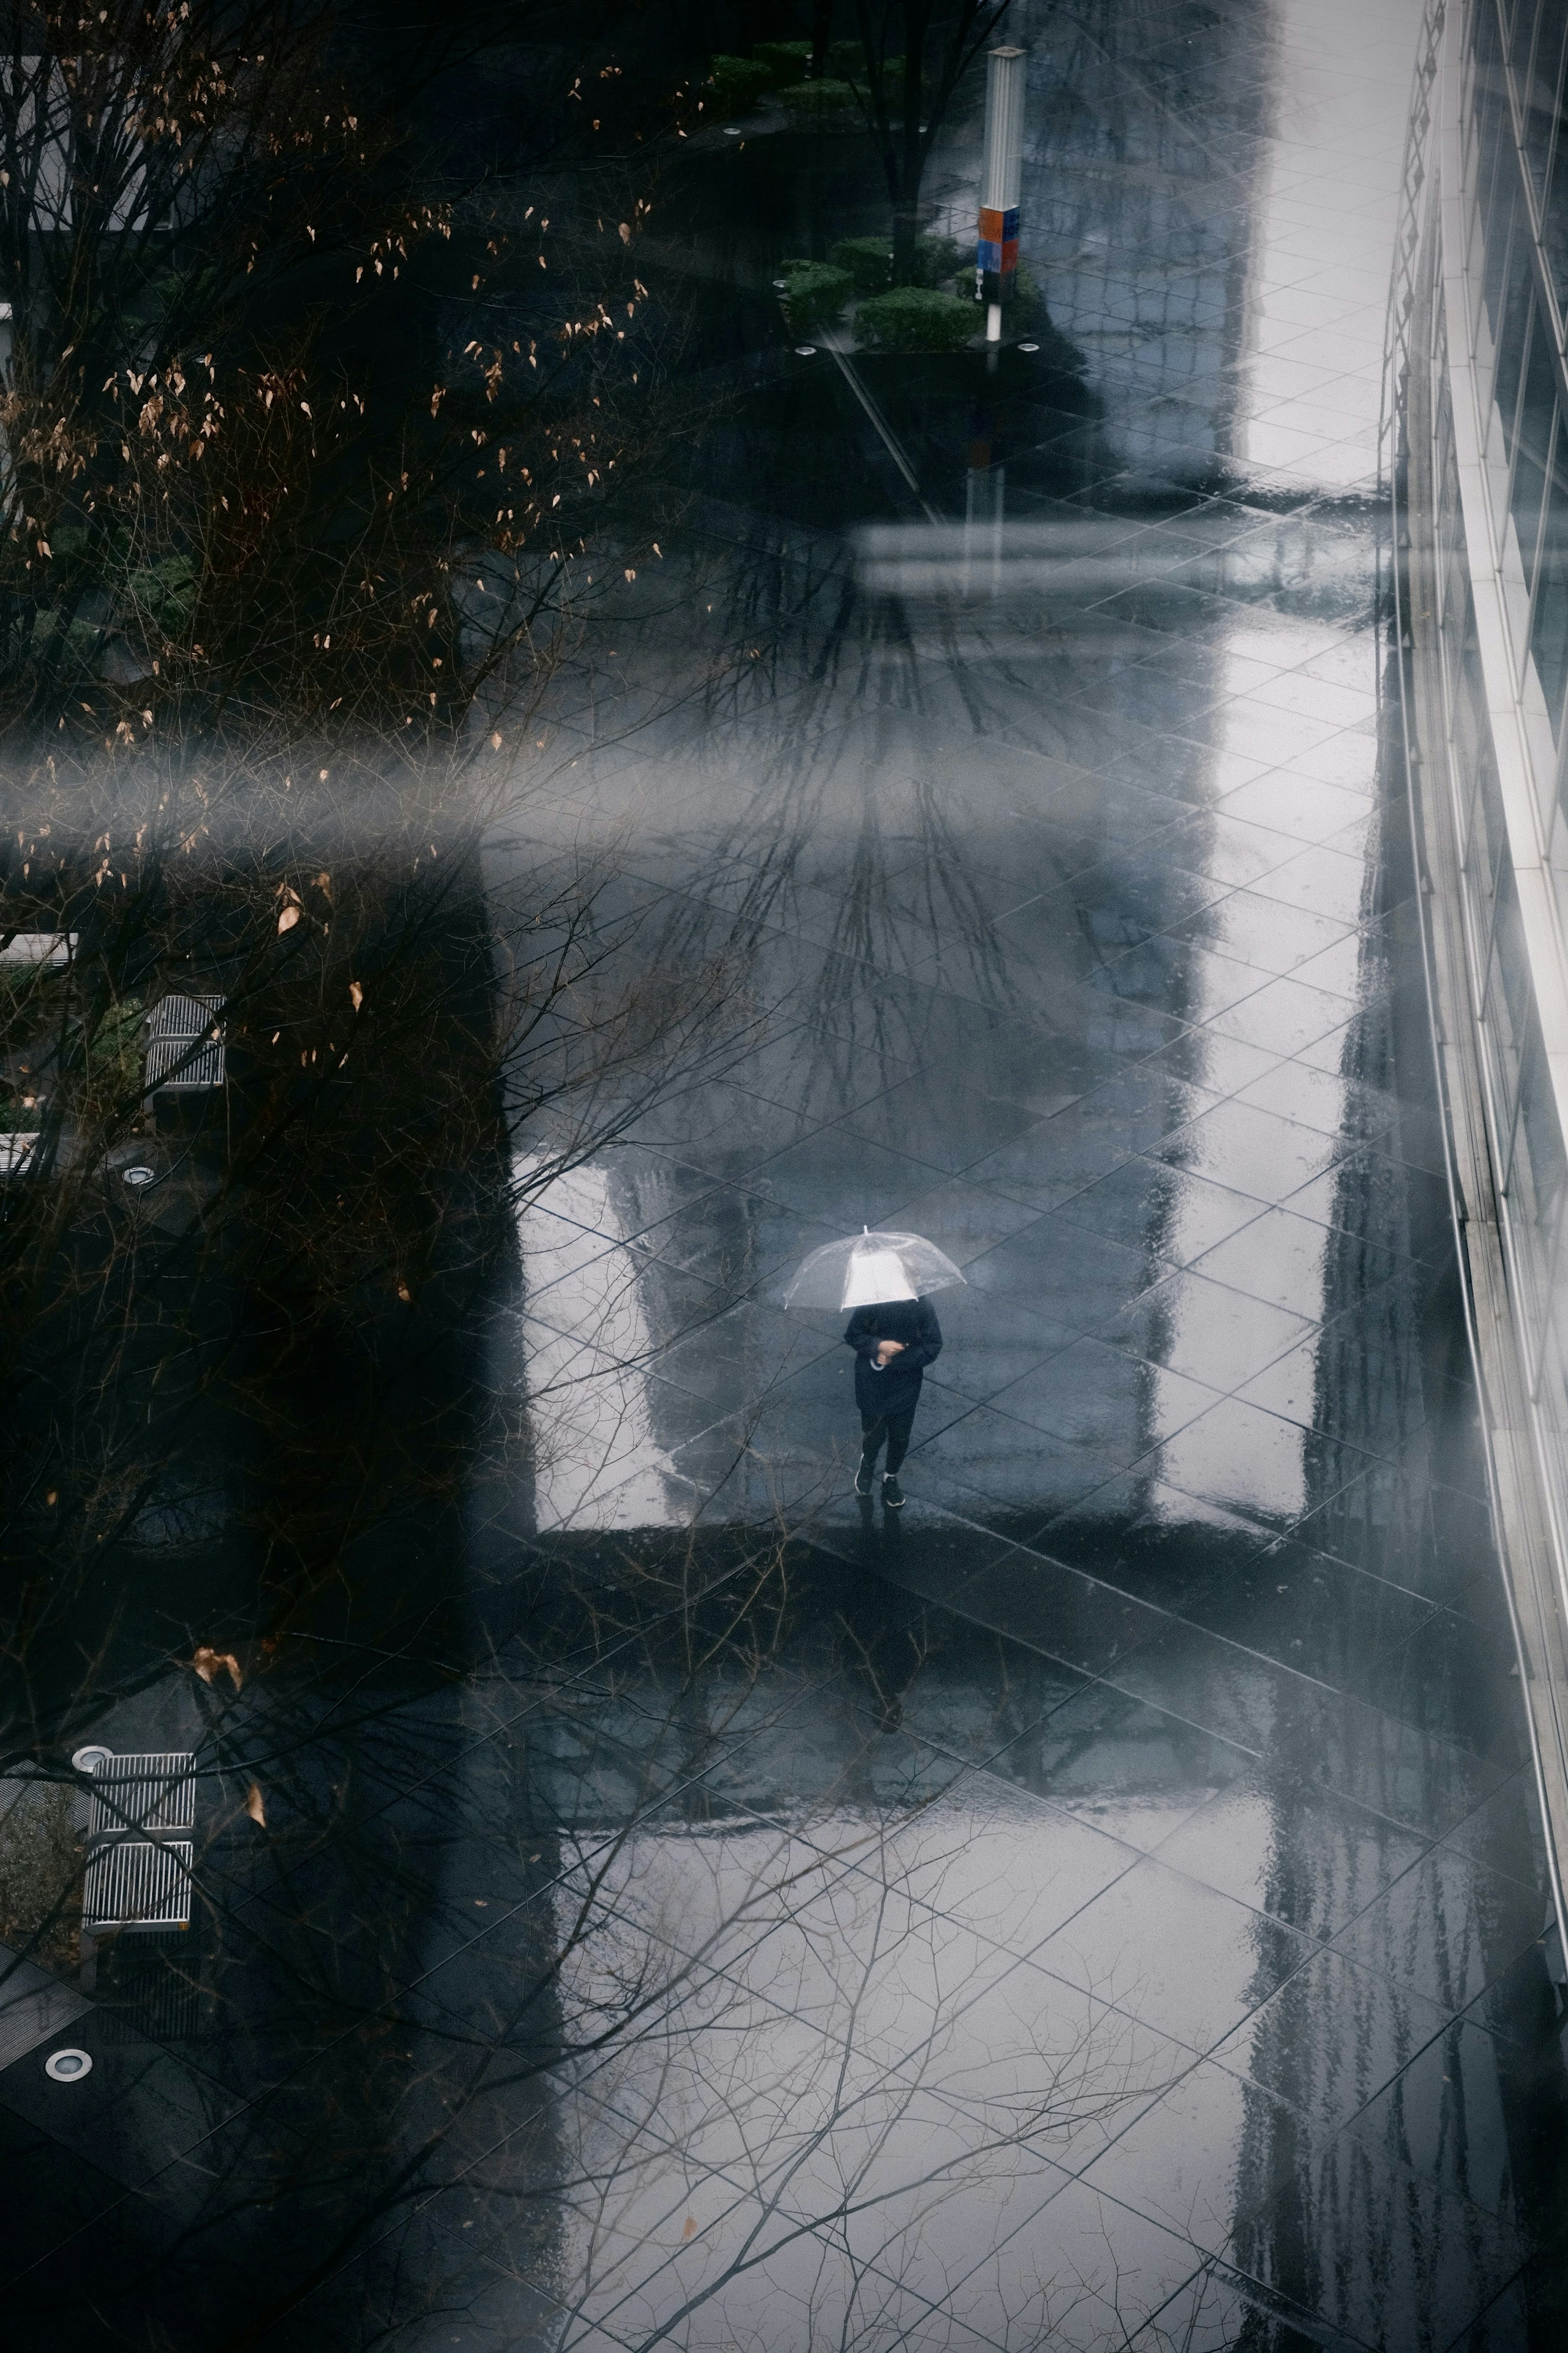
(894, 1340)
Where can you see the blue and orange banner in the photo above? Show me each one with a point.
(997, 250)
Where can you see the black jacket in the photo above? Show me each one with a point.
(895, 1388)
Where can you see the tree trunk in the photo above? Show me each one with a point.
(906, 229)
(821, 35)
(912, 159)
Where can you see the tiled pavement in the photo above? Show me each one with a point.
(1189, 1989)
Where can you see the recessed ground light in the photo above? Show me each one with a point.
(805, 351)
(88, 1760)
(1028, 347)
(68, 2066)
(731, 132)
(138, 1174)
(780, 285)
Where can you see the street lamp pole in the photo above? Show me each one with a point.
(1001, 184)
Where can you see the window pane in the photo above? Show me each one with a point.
(1518, 307)
(1536, 1178)
(1549, 615)
(1554, 222)
(1510, 997)
(1532, 443)
(1519, 20)
(1497, 185)
(1539, 91)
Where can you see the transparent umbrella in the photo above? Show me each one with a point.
(866, 1268)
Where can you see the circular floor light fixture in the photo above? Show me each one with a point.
(805, 351)
(780, 285)
(1028, 347)
(731, 132)
(88, 1760)
(138, 1174)
(68, 2066)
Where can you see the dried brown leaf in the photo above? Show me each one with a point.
(208, 1662)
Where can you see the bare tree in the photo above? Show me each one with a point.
(587, 2031)
(917, 52)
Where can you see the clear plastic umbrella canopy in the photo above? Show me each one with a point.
(867, 1267)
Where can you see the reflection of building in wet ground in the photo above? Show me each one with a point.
(1156, 1801)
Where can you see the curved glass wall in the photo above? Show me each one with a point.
(1486, 499)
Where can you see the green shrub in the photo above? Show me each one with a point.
(938, 260)
(786, 61)
(734, 85)
(846, 60)
(817, 293)
(868, 260)
(818, 101)
(1028, 313)
(854, 69)
(918, 319)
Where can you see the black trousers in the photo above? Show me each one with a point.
(895, 1428)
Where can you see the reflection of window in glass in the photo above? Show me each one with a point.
(1489, 843)
(1518, 307)
(1484, 47)
(1532, 441)
(1554, 219)
(1497, 219)
(1508, 1000)
(1519, 30)
(1540, 88)
(1551, 1397)
(1548, 612)
(1538, 1164)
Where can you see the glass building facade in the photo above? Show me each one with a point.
(1482, 297)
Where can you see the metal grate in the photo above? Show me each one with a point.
(148, 1990)
(174, 1028)
(139, 1883)
(154, 1790)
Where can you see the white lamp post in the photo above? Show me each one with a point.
(1001, 182)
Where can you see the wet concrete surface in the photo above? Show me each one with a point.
(1066, 871)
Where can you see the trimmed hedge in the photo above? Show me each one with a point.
(938, 260)
(868, 260)
(918, 319)
(734, 85)
(818, 101)
(816, 292)
(786, 61)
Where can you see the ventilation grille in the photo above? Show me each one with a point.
(139, 1883)
(154, 1791)
(174, 1027)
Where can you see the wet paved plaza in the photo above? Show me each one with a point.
(1160, 1960)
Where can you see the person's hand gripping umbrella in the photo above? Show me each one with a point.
(884, 1278)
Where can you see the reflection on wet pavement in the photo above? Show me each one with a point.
(1145, 1968)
